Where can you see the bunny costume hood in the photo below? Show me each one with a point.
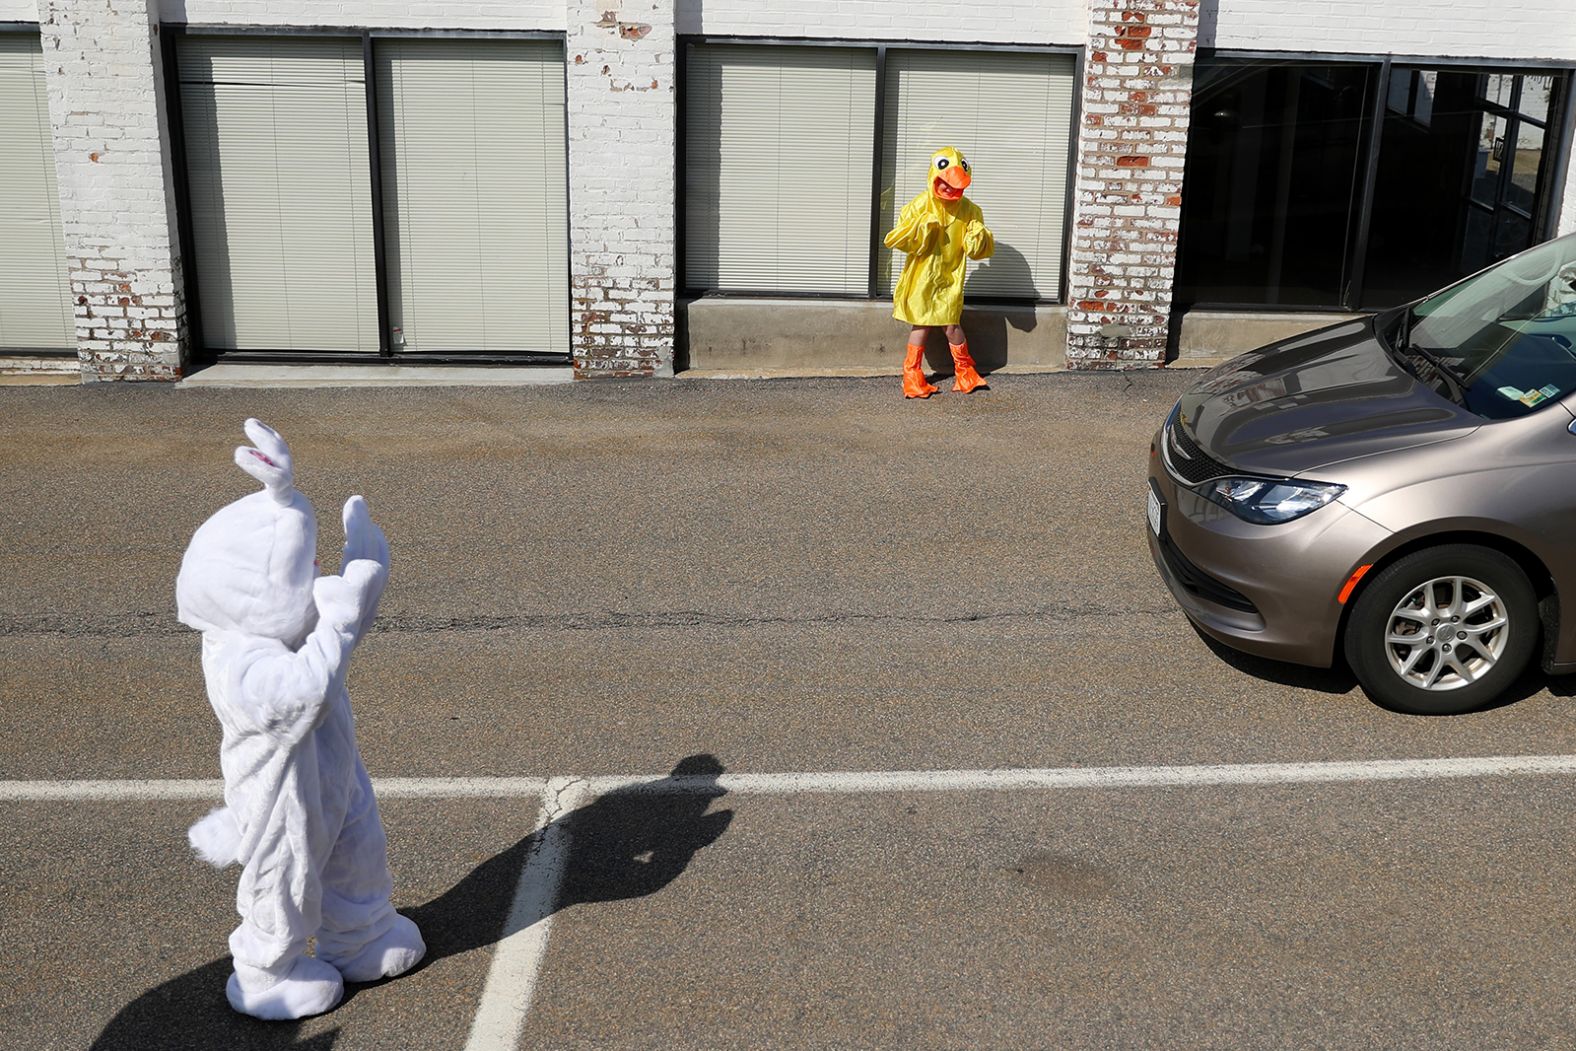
(250, 567)
(299, 813)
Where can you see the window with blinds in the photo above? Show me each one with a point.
(35, 299)
(280, 190)
(474, 194)
(1010, 114)
(778, 149)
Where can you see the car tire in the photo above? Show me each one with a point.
(1421, 593)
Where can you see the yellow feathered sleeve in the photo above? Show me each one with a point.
(978, 241)
(915, 231)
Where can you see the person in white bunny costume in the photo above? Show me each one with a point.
(299, 813)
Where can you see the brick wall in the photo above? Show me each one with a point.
(621, 207)
(29, 365)
(949, 21)
(1131, 144)
(104, 82)
(18, 11)
(1522, 30)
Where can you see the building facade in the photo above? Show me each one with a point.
(631, 187)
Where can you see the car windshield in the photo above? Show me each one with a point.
(1499, 343)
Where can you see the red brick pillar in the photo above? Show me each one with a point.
(1138, 84)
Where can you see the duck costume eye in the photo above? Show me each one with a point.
(949, 174)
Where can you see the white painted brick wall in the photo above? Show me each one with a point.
(947, 21)
(1514, 29)
(1132, 142)
(18, 11)
(116, 196)
(621, 207)
(25, 365)
(515, 15)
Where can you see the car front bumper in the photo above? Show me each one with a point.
(1272, 591)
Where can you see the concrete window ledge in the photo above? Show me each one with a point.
(376, 376)
(35, 370)
(1207, 337)
(750, 336)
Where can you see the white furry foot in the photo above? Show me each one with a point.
(399, 949)
(310, 988)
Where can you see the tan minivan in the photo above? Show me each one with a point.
(1399, 489)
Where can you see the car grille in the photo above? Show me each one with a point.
(1199, 583)
(1186, 460)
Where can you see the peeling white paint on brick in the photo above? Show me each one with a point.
(621, 186)
(1131, 147)
(116, 195)
(28, 365)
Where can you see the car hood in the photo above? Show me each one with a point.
(1314, 400)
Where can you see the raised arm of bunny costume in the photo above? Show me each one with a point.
(364, 541)
(284, 693)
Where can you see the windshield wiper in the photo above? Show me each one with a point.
(1404, 345)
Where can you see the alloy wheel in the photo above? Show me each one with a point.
(1447, 633)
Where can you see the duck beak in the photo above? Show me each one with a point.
(950, 183)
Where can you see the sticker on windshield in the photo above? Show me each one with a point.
(1512, 393)
(1550, 390)
(1533, 397)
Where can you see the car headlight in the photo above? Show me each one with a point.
(1269, 501)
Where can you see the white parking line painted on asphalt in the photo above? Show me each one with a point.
(856, 782)
(511, 980)
(513, 975)
(1011, 780)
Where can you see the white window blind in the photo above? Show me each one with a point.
(778, 145)
(475, 196)
(1010, 114)
(281, 199)
(35, 299)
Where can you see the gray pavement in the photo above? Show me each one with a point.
(794, 575)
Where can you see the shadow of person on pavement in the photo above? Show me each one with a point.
(628, 843)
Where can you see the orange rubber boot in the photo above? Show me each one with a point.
(914, 384)
(966, 377)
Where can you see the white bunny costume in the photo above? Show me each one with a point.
(299, 813)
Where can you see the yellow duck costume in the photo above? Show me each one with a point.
(939, 230)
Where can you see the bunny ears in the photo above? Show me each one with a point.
(269, 462)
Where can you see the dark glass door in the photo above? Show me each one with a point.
(1281, 207)
(1460, 171)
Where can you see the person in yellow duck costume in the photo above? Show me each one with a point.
(939, 230)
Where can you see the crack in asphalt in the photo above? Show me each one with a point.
(163, 624)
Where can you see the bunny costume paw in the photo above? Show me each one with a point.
(390, 955)
(310, 987)
(299, 814)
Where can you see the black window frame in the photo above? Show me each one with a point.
(1561, 121)
(202, 355)
(873, 293)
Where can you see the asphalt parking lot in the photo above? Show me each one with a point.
(622, 617)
